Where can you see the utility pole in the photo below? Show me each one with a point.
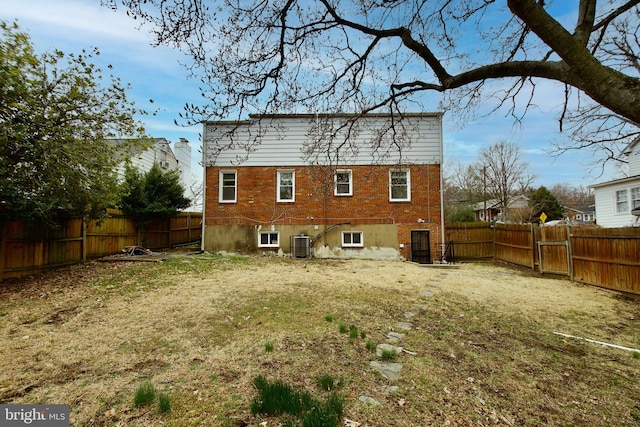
(484, 191)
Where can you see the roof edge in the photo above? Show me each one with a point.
(253, 117)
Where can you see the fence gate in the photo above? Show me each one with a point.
(420, 246)
(554, 257)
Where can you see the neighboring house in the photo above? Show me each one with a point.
(618, 201)
(494, 209)
(271, 191)
(488, 211)
(161, 152)
(580, 214)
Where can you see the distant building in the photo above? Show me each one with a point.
(618, 201)
(167, 157)
(493, 209)
(580, 214)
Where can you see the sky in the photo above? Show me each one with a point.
(156, 73)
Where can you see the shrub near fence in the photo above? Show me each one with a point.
(604, 257)
(27, 249)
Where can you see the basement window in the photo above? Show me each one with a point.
(269, 239)
(352, 239)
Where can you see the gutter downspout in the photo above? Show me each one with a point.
(441, 187)
(204, 183)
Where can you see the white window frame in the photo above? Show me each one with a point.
(350, 243)
(350, 183)
(270, 243)
(407, 173)
(622, 201)
(635, 198)
(293, 186)
(222, 186)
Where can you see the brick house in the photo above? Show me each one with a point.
(270, 187)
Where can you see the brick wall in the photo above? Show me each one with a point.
(314, 198)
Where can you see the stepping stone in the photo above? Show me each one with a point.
(394, 336)
(390, 371)
(409, 314)
(369, 400)
(387, 347)
(426, 293)
(404, 325)
(389, 389)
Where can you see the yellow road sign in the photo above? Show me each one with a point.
(543, 217)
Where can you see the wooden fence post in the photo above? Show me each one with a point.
(84, 240)
(494, 234)
(569, 252)
(534, 243)
(3, 248)
(189, 226)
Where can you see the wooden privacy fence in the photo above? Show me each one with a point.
(605, 257)
(27, 249)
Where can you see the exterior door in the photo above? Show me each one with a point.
(420, 246)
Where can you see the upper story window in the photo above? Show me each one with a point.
(399, 186)
(635, 198)
(228, 187)
(286, 186)
(344, 183)
(622, 201)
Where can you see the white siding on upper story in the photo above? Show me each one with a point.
(285, 140)
(605, 197)
(634, 162)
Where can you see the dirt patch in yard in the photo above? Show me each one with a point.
(201, 328)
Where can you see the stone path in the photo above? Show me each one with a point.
(391, 370)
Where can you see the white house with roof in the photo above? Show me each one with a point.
(167, 155)
(618, 201)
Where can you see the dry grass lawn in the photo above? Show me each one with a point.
(200, 328)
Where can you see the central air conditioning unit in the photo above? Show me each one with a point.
(300, 247)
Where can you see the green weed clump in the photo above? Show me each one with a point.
(353, 332)
(144, 395)
(343, 328)
(278, 398)
(388, 355)
(268, 347)
(371, 346)
(164, 403)
(326, 382)
(328, 318)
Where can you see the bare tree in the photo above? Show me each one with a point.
(462, 188)
(506, 172)
(265, 56)
(570, 195)
(463, 183)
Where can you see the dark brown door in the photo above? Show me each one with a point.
(420, 247)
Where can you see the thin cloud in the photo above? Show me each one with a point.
(76, 20)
